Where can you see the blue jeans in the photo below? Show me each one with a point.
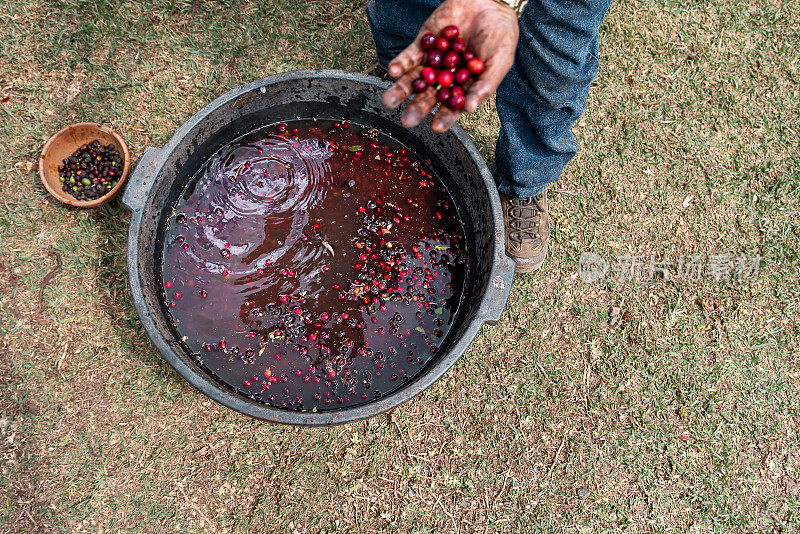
(543, 94)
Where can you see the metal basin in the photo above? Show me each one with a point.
(327, 94)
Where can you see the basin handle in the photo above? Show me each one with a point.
(498, 289)
(141, 179)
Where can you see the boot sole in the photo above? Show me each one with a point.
(529, 265)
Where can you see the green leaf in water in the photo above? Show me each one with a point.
(420, 329)
(354, 148)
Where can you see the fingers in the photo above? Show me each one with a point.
(480, 91)
(397, 93)
(419, 108)
(412, 55)
(483, 88)
(488, 82)
(406, 60)
(444, 119)
(422, 104)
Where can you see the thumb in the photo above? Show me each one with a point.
(487, 84)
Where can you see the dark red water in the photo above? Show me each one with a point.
(313, 265)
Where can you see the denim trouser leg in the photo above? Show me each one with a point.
(545, 92)
(395, 23)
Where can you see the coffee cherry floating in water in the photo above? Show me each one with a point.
(91, 171)
(449, 67)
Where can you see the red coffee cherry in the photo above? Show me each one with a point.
(450, 32)
(456, 101)
(429, 75)
(428, 41)
(461, 76)
(450, 59)
(444, 78)
(475, 65)
(458, 45)
(419, 85)
(434, 59)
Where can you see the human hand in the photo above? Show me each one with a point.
(490, 29)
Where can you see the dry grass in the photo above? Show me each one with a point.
(682, 416)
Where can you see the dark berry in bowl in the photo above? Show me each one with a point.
(91, 171)
(84, 164)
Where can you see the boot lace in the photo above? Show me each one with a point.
(524, 217)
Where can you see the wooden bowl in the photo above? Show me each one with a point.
(64, 144)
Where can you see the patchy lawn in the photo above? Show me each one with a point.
(676, 411)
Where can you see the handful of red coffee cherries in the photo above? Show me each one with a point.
(449, 67)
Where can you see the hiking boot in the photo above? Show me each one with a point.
(527, 230)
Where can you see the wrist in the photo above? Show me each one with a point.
(505, 3)
(508, 4)
(478, 5)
